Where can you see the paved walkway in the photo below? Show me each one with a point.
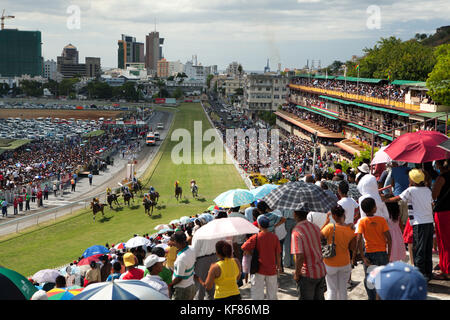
(108, 178)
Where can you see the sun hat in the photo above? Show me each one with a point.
(416, 175)
(129, 259)
(263, 221)
(152, 259)
(364, 168)
(398, 281)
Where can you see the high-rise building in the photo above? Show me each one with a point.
(49, 69)
(153, 51)
(67, 64)
(163, 68)
(20, 53)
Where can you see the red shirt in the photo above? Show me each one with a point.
(306, 239)
(268, 247)
(133, 274)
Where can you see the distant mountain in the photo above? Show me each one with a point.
(442, 36)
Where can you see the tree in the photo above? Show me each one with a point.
(178, 93)
(67, 86)
(439, 79)
(32, 88)
(408, 60)
(208, 80)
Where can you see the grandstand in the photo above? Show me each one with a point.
(353, 114)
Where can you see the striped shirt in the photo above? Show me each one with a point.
(306, 239)
(184, 267)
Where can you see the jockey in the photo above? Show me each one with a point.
(177, 183)
(108, 190)
(152, 190)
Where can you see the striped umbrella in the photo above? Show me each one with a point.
(14, 286)
(120, 290)
(120, 246)
(64, 293)
(234, 198)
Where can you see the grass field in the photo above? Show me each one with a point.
(57, 113)
(58, 243)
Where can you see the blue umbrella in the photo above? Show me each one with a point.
(263, 190)
(97, 249)
(207, 216)
(234, 198)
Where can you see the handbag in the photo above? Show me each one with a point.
(254, 264)
(329, 250)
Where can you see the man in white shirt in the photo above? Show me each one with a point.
(154, 265)
(183, 286)
(347, 203)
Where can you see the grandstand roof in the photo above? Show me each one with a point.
(356, 79)
(409, 82)
(384, 136)
(315, 76)
(318, 112)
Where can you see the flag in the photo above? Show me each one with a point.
(357, 67)
(389, 75)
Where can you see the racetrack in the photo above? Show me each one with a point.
(59, 243)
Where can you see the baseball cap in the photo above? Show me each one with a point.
(364, 168)
(129, 259)
(416, 175)
(152, 259)
(398, 281)
(263, 221)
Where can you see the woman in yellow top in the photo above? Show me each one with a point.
(338, 267)
(224, 274)
(171, 255)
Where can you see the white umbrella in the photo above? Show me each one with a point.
(137, 242)
(234, 198)
(226, 227)
(46, 275)
(162, 226)
(120, 290)
(176, 221)
(381, 157)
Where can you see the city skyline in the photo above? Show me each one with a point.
(285, 31)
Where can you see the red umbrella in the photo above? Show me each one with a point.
(87, 261)
(418, 147)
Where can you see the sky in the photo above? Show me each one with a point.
(222, 31)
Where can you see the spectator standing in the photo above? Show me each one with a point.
(310, 270)
(377, 237)
(73, 184)
(131, 273)
(115, 275)
(182, 286)
(165, 274)
(46, 192)
(400, 182)
(92, 275)
(441, 196)
(269, 250)
(105, 269)
(5, 208)
(419, 200)
(348, 204)
(16, 205)
(27, 201)
(154, 265)
(338, 267)
(39, 198)
(20, 200)
(224, 274)
(90, 178)
(55, 188)
(248, 212)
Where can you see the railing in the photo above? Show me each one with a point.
(386, 102)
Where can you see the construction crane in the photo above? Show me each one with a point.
(3, 17)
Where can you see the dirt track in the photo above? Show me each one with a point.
(54, 113)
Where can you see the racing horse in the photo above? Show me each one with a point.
(178, 191)
(148, 205)
(136, 186)
(194, 189)
(112, 198)
(154, 197)
(97, 207)
(127, 196)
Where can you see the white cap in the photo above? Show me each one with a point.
(152, 259)
(39, 295)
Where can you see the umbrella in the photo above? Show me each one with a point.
(176, 221)
(185, 220)
(73, 270)
(15, 286)
(64, 293)
(298, 195)
(162, 226)
(211, 208)
(137, 242)
(97, 249)
(418, 147)
(263, 190)
(207, 216)
(221, 228)
(120, 290)
(164, 230)
(445, 145)
(353, 191)
(381, 157)
(46, 275)
(234, 198)
(120, 246)
(87, 261)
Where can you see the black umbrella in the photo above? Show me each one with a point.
(300, 195)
